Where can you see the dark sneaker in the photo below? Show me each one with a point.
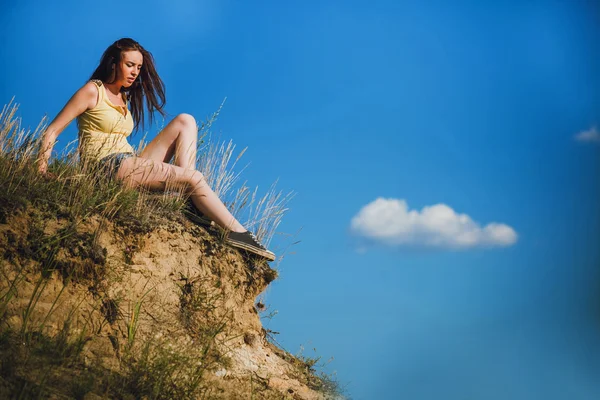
(195, 215)
(247, 241)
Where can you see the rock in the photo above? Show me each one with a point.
(221, 373)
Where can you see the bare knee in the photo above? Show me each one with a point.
(186, 120)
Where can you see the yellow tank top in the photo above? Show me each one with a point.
(103, 130)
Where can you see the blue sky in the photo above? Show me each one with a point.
(491, 110)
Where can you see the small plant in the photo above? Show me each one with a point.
(134, 319)
(30, 366)
(306, 371)
(195, 299)
(163, 370)
(320, 381)
(203, 317)
(11, 291)
(33, 300)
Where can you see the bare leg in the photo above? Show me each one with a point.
(179, 139)
(138, 171)
(152, 170)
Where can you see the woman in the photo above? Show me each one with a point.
(125, 76)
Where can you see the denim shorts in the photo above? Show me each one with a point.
(111, 163)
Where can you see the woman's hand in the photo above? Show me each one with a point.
(43, 170)
(49, 175)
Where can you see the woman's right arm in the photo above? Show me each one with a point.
(84, 99)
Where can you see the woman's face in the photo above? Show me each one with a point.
(129, 67)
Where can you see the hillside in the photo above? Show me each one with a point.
(108, 292)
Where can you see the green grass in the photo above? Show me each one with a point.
(35, 364)
(81, 190)
(310, 371)
(49, 366)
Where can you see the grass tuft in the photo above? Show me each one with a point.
(59, 243)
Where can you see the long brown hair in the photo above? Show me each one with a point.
(148, 84)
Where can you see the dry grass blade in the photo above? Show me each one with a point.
(214, 162)
(81, 189)
(263, 214)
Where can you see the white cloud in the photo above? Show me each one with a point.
(389, 221)
(591, 135)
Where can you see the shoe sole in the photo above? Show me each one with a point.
(198, 220)
(266, 254)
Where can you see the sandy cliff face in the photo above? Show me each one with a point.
(133, 299)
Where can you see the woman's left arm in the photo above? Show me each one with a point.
(84, 99)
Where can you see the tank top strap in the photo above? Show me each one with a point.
(99, 85)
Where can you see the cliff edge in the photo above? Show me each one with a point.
(93, 309)
(110, 292)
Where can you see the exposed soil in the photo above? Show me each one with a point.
(193, 292)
